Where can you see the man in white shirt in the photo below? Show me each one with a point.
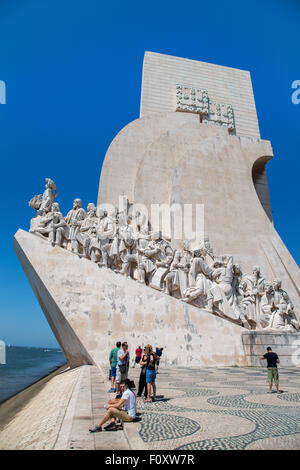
(123, 409)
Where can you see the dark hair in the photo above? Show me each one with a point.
(129, 383)
(269, 349)
(118, 344)
(124, 344)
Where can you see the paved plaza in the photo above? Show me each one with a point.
(224, 408)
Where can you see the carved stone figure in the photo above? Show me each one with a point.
(284, 316)
(50, 222)
(105, 233)
(83, 236)
(255, 286)
(74, 220)
(247, 300)
(178, 277)
(162, 260)
(200, 276)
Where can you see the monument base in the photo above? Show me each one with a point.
(90, 308)
(284, 343)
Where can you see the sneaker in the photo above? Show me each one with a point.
(111, 390)
(96, 429)
(112, 428)
(110, 425)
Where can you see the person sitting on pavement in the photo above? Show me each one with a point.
(123, 409)
(113, 359)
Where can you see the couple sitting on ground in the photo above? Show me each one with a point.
(123, 408)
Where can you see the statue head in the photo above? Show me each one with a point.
(77, 203)
(102, 213)
(186, 245)
(207, 243)
(156, 235)
(50, 184)
(91, 208)
(256, 271)
(218, 263)
(197, 252)
(268, 287)
(237, 270)
(276, 284)
(55, 207)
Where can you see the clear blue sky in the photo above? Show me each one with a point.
(73, 76)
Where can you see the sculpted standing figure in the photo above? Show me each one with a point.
(49, 195)
(85, 232)
(255, 286)
(105, 233)
(74, 219)
(200, 276)
(178, 277)
(225, 276)
(162, 260)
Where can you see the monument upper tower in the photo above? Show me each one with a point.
(163, 75)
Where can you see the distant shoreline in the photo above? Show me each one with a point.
(11, 406)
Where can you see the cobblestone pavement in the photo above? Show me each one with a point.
(224, 408)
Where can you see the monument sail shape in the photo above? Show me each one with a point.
(225, 290)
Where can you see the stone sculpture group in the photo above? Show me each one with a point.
(125, 243)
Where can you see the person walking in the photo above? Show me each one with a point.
(272, 361)
(150, 363)
(142, 382)
(113, 359)
(138, 355)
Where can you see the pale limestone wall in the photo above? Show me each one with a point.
(102, 307)
(232, 86)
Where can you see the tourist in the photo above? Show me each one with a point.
(272, 361)
(150, 362)
(122, 366)
(142, 382)
(158, 353)
(123, 409)
(113, 359)
(138, 355)
(127, 359)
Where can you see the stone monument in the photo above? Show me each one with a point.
(140, 266)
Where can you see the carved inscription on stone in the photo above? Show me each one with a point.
(196, 100)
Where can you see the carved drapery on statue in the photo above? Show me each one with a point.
(122, 243)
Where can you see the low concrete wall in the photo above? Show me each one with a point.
(285, 344)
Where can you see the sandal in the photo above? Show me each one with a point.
(96, 429)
